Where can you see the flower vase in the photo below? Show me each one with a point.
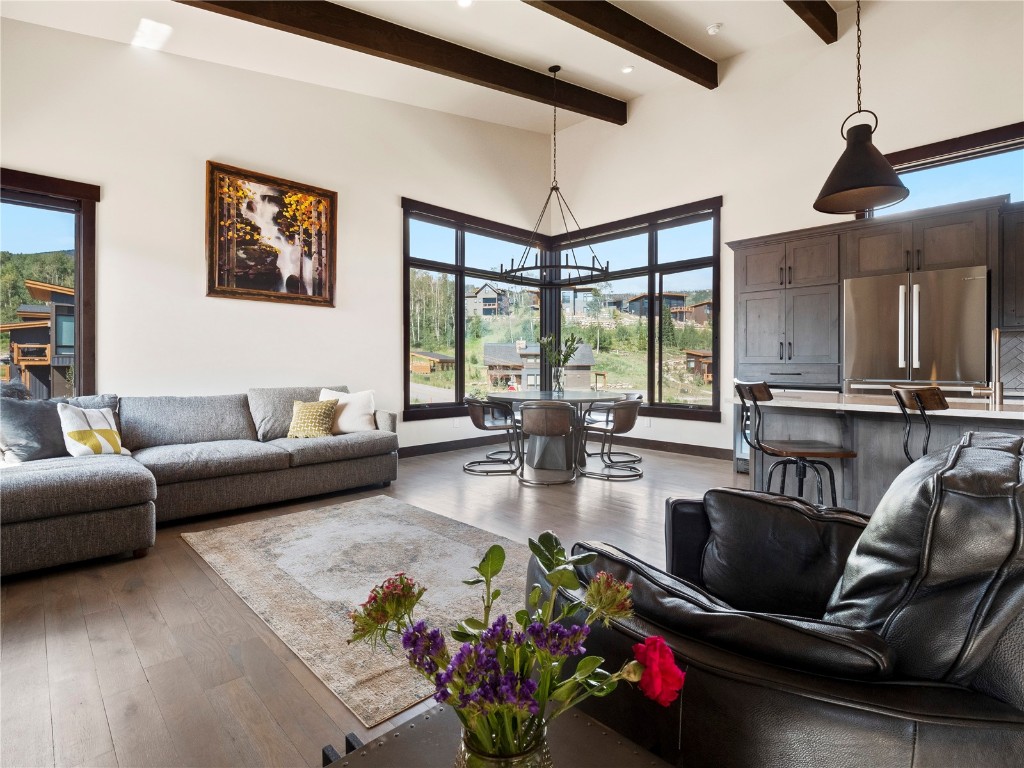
(558, 379)
(538, 757)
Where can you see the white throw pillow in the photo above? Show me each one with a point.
(89, 431)
(353, 413)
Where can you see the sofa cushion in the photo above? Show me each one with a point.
(68, 485)
(312, 419)
(217, 458)
(937, 571)
(271, 407)
(150, 421)
(318, 450)
(353, 413)
(775, 554)
(88, 431)
(30, 429)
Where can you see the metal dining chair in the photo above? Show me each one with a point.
(802, 454)
(600, 414)
(923, 399)
(495, 417)
(545, 421)
(621, 419)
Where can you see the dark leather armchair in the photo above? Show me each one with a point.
(821, 637)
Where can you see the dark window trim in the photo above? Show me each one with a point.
(650, 223)
(85, 196)
(993, 141)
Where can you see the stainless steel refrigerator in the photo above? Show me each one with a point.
(919, 327)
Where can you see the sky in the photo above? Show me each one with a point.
(24, 229)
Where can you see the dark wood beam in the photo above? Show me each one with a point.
(333, 24)
(819, 16)
(610, 23)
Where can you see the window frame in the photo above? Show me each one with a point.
(22, 187)
(549, 246)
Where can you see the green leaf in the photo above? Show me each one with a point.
(606, 688)
(473, 582)
(522, 618)
(495, 595)
(549, 541)
(463, 637)
(563, 576)
(473, 623)
(584, 559)
(493, 561)
(565, 691)
(535, 594)
(587, 665)
(544, 557)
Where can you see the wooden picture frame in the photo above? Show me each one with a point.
(269, 239)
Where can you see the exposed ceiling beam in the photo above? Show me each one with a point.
(819, 16)
(334, 24)
(619, 28)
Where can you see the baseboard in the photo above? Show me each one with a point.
(636, 442)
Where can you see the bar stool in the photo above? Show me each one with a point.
(600, 414)
(924, 399)
(495, 417)
(803, 454)
(544, 421)
(621, 419)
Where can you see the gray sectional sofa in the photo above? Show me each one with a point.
(190, 456)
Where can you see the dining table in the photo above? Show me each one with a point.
(579, 398)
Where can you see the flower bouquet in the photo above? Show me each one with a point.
(506, 679)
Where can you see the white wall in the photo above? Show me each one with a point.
(768, 136)
(143, 124)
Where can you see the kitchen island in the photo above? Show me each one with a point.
(873, 426)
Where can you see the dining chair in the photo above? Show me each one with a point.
(495, 417)
(545, 421)
(600, 413)
(621, 419)
(923, 399)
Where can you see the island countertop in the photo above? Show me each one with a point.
(974, 408)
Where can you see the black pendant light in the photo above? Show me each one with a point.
(862, 178)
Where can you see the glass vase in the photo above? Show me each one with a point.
(558, 379)
(538, 757)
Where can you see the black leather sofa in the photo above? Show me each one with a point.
(821, 637)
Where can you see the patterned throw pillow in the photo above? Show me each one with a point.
(89, 431)
(312, 419)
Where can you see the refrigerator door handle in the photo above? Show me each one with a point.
(915, 326)
(902, 344)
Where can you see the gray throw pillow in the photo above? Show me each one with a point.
(30, 429)
(271, 407)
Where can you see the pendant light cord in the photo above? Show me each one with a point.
(858, 57)
(554, 128)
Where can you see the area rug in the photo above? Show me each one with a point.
(302, 573)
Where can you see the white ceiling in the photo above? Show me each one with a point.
(507, 29)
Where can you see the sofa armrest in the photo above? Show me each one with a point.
(386, 420)
(686, 534)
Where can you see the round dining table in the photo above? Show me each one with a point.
(577, 397)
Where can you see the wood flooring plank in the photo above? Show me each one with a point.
(94, 591)
(175, 606)
(223, 617)
(153, 640)
(140, 736)
(188, 573)
(251, 726)
(107, 760)
(206, 655)
(25, 726)
(340, 715)
(299, 715)
(113, 651)
(193, 725)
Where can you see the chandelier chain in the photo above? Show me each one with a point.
(858, 56)
(554, 129)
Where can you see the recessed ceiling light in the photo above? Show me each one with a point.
(627, 69)
(714, 29)
(151, 34)
(464, 3)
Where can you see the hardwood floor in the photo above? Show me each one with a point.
(156, 662)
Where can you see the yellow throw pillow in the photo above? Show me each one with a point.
(312, 419)
(89, 431)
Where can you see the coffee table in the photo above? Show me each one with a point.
(431, 740)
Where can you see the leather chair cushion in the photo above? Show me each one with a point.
(775, 554)
(939, 571)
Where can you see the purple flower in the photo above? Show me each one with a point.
(557, 640)
(476, 681)
(426, 648)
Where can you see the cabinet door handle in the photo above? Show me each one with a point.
(781, 278)
(791, 350)
(780, 351)
(918, 259)
(906, 261)
(790, 275)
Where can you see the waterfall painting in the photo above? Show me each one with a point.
(269, 239)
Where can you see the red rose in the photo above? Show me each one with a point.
(662, 679)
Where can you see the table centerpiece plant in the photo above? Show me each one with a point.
(507, 679)
(558, 357)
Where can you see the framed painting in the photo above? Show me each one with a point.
(269, 239)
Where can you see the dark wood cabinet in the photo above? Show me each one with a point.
(812, 324)
(812, 261)
(1011, 265)
(761, 268)
(877, 250)
(761, 327)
